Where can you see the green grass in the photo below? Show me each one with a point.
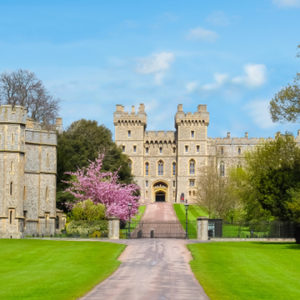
(194, 212)
(134, 222)
(247, 270)
(39, 269)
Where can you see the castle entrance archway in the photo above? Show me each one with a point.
(160, 190)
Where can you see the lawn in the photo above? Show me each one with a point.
(40, 269)
(194, 212)
(247, 270)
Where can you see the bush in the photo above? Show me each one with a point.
(87, 210)
(87, 228)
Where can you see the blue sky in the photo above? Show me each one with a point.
(231, 55)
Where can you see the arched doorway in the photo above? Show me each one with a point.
(160, 191)
(160, 196)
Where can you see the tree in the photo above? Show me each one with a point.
(285, 106)
(103, 187)
(273, 173)
(81, 143)
(23, 88)
(87, 210)
(214, 193)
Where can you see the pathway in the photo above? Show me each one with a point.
(154, 269)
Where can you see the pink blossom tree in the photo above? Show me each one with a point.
(102, 187)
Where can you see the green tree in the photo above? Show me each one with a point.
(88, 211)
(285, 106)
(80, 144)
(273, 177)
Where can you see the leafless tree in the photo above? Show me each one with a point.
(23, 88)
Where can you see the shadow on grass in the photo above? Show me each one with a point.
(288, 245)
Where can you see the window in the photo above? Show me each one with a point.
(222, 169)
(174, 150)
(192, 182)
(198, 148)
(134, 148)
(130, 164)
(123, 148)
(10, 216)
(11, 188)
(146, 183)
(194, 193)
(239, 151)
(129, 133)
(160, 168)
(174, 168)
(192, 134)
(192, 167)
(147, 150)
(160, 149)
(146, 168)
(186, 148)
(174, 183)
(222, 150)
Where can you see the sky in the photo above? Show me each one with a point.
(233, 56)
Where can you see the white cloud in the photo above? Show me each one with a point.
(219, 80)
(259, 112)
(191, 86)
(156, 64)
(255, 75)
(202, 34)
(287, 3)
(218, 18)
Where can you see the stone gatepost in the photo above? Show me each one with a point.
(113, 228)
(202, 228)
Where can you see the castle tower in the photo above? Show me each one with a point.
(12, 150)
(191, 133)
(129, 135)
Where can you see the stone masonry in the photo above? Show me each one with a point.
(27, 176)
(166, 164)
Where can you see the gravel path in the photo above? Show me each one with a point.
(154, 269)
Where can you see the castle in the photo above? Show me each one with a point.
(27, 176)
(166, 164)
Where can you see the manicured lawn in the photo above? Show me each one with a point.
(39, 269)
(247, 270)
(194, 212)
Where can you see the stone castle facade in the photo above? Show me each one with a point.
(27, 176)
(166, 164)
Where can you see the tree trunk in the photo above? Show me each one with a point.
(297, 233)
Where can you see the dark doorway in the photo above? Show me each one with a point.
(160, 197)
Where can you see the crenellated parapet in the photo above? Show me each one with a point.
(163, 137)
(200, 117)
(13, 114)
(121, 117)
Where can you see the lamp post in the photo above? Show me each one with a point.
(129, 214)
(186, 205)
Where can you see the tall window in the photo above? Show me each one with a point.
(134, 148)
(186, 148)
(146, 168)
(11, 188)
(130, 164)
(222, 150)
(160, 149)
(129, 133)
(147, 150)
(174, 150)
(222, 169)
(146, 183)
(160, 168)
(192, 167)
(192, 133)
(123, 148)
(174, 168)
(198, 148)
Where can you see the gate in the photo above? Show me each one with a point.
(162, 229)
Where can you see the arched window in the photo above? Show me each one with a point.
(160, 168)
(146, 168)
(130, 164)
(11, 188)
(192, 167)
(174, 168)
(10, 217)
(222, 169)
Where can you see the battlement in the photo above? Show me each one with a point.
(159, 137)
(133, 118)
(201, 116)
(13, 114)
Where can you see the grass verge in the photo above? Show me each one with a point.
(247, 270)
(39, 269)
(194, 212)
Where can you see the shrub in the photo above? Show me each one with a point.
(86, 228)
(87, 210)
